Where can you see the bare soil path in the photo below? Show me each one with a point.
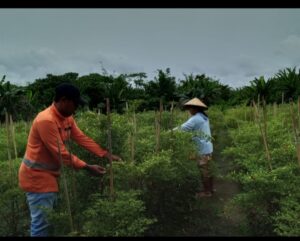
(212, 216)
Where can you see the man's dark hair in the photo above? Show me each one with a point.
(68, 91)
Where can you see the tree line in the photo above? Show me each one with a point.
(136, 91)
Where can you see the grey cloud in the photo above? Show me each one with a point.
(94, 62)
(234, 45)
(34, 58)
(248, 65)
(289, 49)
(292, 42)
(26, 66)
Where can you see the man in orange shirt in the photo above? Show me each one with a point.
(46, 151)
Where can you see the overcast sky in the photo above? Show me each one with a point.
(230, 45)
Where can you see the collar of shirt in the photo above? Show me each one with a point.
(56, 112)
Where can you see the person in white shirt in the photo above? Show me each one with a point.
(198, 123)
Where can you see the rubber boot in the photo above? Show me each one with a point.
(206, 189)
(211, 185)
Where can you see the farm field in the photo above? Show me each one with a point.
(153, 193)
(196, 113)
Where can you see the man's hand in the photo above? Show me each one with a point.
(192, 157)
(113, 157)
(116, 158)
(95, 170)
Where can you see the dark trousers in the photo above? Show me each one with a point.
(204, 163)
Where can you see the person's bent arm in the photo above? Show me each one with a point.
(188, 125)
(89, 144)
(49, 134)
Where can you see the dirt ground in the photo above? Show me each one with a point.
(214, 216)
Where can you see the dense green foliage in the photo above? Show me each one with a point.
(23, 102)
(270, 187)
(154, 187)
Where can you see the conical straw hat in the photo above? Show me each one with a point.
(195, 102)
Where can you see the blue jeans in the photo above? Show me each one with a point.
(38, 203)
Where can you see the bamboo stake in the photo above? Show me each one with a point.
(111, 179)
(73, 179)
(296, 130)
(171, 125)
(158, 125)
(294, 122)
(131, 147)
(65, 188)
(264, 116)
(25, 127)
(134, 122)
(101, 179)
(298, 110)
(238, 126)
(133, 134)
(8, 147)
(263, 133)
(274, 109)
(11, 176)
(172, 115)
(156, 132)
(13, 136)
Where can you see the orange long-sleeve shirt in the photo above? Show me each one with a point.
(42, 152)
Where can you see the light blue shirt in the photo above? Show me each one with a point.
(199, 124)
